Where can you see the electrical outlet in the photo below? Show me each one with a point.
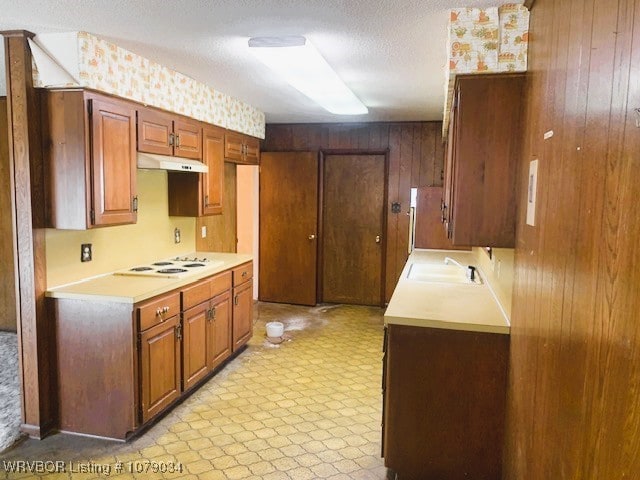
(176, 235)
(85, 252)
(204, 231)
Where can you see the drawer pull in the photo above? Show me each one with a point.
(244, 274)
(161, 311)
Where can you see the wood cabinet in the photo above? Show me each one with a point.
(132, 362)
(242, 305)
(207, 326)
(241, 148)
(160, 367)
(483, 148)
(196, 195)
(90, 159)
(166, 134)
(444, 397)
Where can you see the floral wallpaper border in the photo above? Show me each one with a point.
(106, 67)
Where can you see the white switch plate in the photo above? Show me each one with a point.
(532, 193)
(204, 231)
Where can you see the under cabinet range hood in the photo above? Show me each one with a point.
(151, 161)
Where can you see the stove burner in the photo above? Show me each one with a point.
(194, 265)
(140, 269)
(161, 264)
(171, 270)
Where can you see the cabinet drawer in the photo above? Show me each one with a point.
(196, 293)
(157, 310)
(242, 273)
(220, 283)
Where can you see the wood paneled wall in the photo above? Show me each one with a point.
(416, 156)
(574, 394)
(8, 314)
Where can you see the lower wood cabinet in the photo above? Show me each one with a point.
(132, 362)
(194, 344)
(160, 372)
(242, 304)
(219, 331)
(444, 396)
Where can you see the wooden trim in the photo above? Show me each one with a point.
(529, 3)
(36, 350)
(322, 153)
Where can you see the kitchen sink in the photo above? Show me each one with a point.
(438, 273)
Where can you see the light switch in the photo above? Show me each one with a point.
(204, 231)
(532, 192)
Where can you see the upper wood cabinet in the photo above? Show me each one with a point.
(479, 204)
(196, 195)
(166, 134)
(241, 148)
(213, 181)
(89, 143)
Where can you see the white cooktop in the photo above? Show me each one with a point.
(177, 267)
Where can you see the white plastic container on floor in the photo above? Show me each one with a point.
(275, 329)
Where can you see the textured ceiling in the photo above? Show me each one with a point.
(390, 53)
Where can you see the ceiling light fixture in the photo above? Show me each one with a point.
(296, 60)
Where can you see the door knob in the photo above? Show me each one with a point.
(377, 238)
(312, 237)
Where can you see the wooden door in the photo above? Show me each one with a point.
(188, 139)
(213, 181)
(113, 161)
(288, 227)
(155, 132)
(242, 314)
(160, 367)
(219, 334)
(194, 344)
(353, 224)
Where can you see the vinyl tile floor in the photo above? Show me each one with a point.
(307, 408)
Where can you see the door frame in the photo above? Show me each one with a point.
(322, 154)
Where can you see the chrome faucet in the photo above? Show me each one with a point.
(470, 271)
(448, 260)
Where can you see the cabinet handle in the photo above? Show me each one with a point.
(377, 238)
(172, 139)
(177, 141)
(206, 200)
(179, 332)
(134, 203)
(244, 274)
(213, 314)
(235, 300)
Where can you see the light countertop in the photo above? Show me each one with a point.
(133, 289)
(452, 306)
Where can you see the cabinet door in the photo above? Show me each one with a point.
(188, 139)
(213, 181)
(160, 367)
(219, 335)
(194, 344)
(155, 132)
(242, 314)
(252, 150)
(113, 162)
(233, 147)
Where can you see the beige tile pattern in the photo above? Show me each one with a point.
(305, 409)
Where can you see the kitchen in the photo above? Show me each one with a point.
(572, 362)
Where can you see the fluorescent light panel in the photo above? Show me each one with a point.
(296, 60)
